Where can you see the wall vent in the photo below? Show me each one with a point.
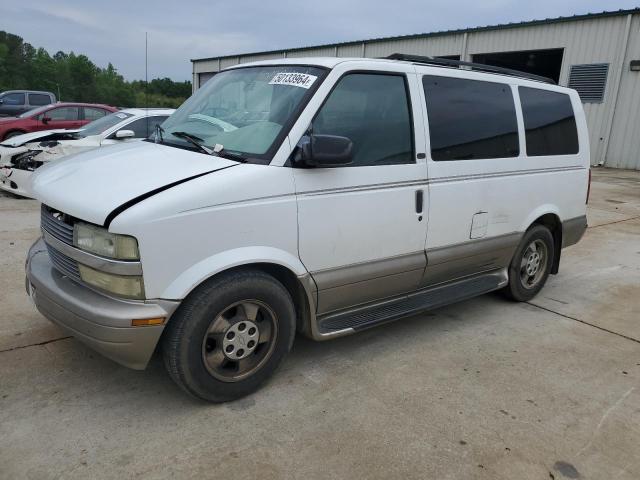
(589, 80)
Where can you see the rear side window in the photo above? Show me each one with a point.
(39, 99)
(470, 119)
(91, 113)
(549, 122)
(372, 110)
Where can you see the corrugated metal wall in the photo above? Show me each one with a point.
(435, 45)
(613, 124)
(624, 142)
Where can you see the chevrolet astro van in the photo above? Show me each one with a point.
(320, 195)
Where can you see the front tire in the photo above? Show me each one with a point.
(229, 335)
(531, 264)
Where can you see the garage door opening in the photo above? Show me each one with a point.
(539, 62)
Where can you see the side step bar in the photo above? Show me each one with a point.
(434, 297)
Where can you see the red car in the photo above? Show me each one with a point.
(50, 117)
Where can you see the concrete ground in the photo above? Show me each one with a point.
(483, 389)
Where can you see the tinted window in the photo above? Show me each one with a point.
(143, 127)
(373, 111)
(549, 122)
(91, 113)
(13, 99)
(39, 99)
(63, 113)
(470, 119)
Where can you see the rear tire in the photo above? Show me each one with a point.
(531, 264)
(229, 335)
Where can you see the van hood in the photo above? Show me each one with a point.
(91, 185)
(20, 140)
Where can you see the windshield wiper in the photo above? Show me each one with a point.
(192, 139)
(219, 149)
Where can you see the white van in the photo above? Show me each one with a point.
(318, 195)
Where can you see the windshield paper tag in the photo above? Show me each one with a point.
(303, 80)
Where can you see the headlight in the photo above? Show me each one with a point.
(99, 241)
(123, 286)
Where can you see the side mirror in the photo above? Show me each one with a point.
(46, 120)
(325, 151)
(1, 101)
(122, 134)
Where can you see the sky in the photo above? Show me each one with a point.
(114, 31)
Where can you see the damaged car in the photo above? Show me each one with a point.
(20, 156)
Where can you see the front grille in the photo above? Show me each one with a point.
(56, 224)
(65, 265)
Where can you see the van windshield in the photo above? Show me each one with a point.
(247, 111)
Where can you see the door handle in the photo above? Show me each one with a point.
(419, 201)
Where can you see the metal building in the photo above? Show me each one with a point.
(598, 54)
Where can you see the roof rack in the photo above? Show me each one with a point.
(445, 62)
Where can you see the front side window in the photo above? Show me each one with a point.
(372, 110)
(39, 99)
(247, 111)
(549, 122)
(13, 99)
(470, 119)
(35, 113)
(62, 114)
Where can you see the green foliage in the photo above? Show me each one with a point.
(75, 78)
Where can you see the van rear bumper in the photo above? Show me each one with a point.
(101, 322)
(573, 230)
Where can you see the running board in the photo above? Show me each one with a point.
(411, 304)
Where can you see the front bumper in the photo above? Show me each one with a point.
(101, 322)
(15, 181)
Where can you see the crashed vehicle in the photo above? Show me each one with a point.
(21, 155)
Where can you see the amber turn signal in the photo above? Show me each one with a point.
(141, 322)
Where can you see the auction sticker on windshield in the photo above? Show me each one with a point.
(303, 80)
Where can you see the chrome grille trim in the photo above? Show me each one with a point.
(65, 265)
(56, 227)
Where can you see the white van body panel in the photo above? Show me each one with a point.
(354, 236)
(105, 179)
(513, 191)
(194, 230)
(372, 229)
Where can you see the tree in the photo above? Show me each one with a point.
(74, 77)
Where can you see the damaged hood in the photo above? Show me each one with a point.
(91, 185)
(7, 153)
(20, 140)
(52, 149)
